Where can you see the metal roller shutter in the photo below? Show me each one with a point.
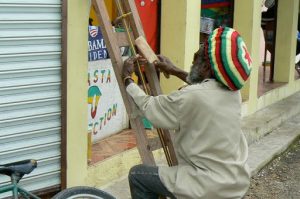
(30, 88)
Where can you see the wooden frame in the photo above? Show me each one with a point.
(117, 62)
(64, 59)
(271, 78)
(144, 145)
(151, 75)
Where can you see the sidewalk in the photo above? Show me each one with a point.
(269, 133)
(280, 178)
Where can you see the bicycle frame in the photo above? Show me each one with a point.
(16, 189)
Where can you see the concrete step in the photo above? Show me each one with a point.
(262, 122)
(272, 145)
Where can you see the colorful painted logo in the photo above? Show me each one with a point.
(96, 44)
(93, 30)
(94, 95)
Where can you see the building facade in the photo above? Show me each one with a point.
(180, 25)
(43, 106)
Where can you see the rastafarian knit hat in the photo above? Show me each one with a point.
(229, 58)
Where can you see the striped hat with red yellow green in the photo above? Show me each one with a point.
(228, 57)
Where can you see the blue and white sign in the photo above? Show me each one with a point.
(96, 44)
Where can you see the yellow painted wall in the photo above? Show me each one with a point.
(116, 167)
(180, 27)
(77, 60)
(286, 41)
(77, 168)
(247, 17)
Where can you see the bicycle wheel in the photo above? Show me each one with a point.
(82, 192)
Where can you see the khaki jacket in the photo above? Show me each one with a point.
(210, 146)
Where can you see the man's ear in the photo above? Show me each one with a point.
(206, 70)
(204, 67)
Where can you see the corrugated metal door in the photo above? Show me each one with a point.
(30, 88)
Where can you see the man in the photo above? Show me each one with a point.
(206, 117)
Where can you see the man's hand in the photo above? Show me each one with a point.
(165, 65)
(128, 67)
(168, 68)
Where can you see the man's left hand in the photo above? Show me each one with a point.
(128, 67)
(131, 63)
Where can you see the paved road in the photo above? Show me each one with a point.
(280, 179)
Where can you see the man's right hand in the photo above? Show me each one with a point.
(168, 68)
(165, 65)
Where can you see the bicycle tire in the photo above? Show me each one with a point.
(82, 192)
